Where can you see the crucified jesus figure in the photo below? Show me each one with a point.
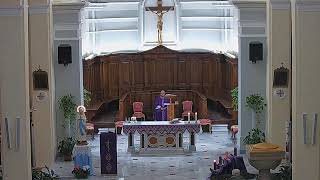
(160, 11)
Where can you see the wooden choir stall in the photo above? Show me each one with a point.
(125, 78)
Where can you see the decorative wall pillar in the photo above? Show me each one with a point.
(251, 76)
(42, 99)
(279, 57)
(67, 18)
(305, 87)
(14, 90)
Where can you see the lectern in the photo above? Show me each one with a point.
(170, 106)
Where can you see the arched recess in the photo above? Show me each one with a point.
(142, 25)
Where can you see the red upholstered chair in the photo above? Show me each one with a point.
(234, 131)
(187, 108)
(205, 125)
(137, 110)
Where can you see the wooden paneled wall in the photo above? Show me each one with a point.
(111, 76)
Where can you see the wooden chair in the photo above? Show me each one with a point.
(187, 108)
(205, 125)
(138, 110)
(234, 131)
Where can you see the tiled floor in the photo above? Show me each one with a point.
(174, 167)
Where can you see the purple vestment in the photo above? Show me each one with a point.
(160, 115)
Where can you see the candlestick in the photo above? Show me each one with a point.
(214, 165)
(188, 117)
(235, 151)
(220, 160)
(196, 116)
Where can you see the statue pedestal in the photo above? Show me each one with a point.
(82, 157)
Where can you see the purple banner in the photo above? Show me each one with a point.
(108, 153)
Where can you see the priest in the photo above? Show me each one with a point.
(160, 107)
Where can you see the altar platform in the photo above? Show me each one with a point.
(158, 137)
(193, 165)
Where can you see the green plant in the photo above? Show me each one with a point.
(285, 173)
(65, 146)
(68, 106)
(86, 97)
(255, 102)
(234, 95)
(254, 137)
(44, 174)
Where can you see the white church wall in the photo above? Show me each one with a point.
(126, 26)
(68, 79)
(252, 80)
(252, 77)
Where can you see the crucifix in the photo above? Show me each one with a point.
(280, 93)
(160, 10)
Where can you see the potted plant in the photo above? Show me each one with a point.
(255, 102)
(254, 137)
(43, 173)
(65, 148)
(234, 95)
(81, 173)
(68, 106)
(285, 172)
(86, 97)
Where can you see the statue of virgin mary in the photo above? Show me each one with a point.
(81, 126)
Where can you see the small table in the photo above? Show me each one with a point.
(82, 157)
(158, 136)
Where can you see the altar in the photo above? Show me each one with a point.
(161, 136)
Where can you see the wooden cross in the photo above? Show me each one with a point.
(160, 10)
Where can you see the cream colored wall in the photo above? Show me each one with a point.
(306, 88)
(9, 3)
(39, 2)
(40, 39)
(279, 51)
(14, 85)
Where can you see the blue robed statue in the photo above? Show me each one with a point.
(160, 107)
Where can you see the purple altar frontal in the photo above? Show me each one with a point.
(161, 127)
(159, 136)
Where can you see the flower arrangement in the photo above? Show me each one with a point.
(81, 173)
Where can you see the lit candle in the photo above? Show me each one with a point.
(196, 116)
(235, 151)
(214, 165)
(188, 117)
(220, 160)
